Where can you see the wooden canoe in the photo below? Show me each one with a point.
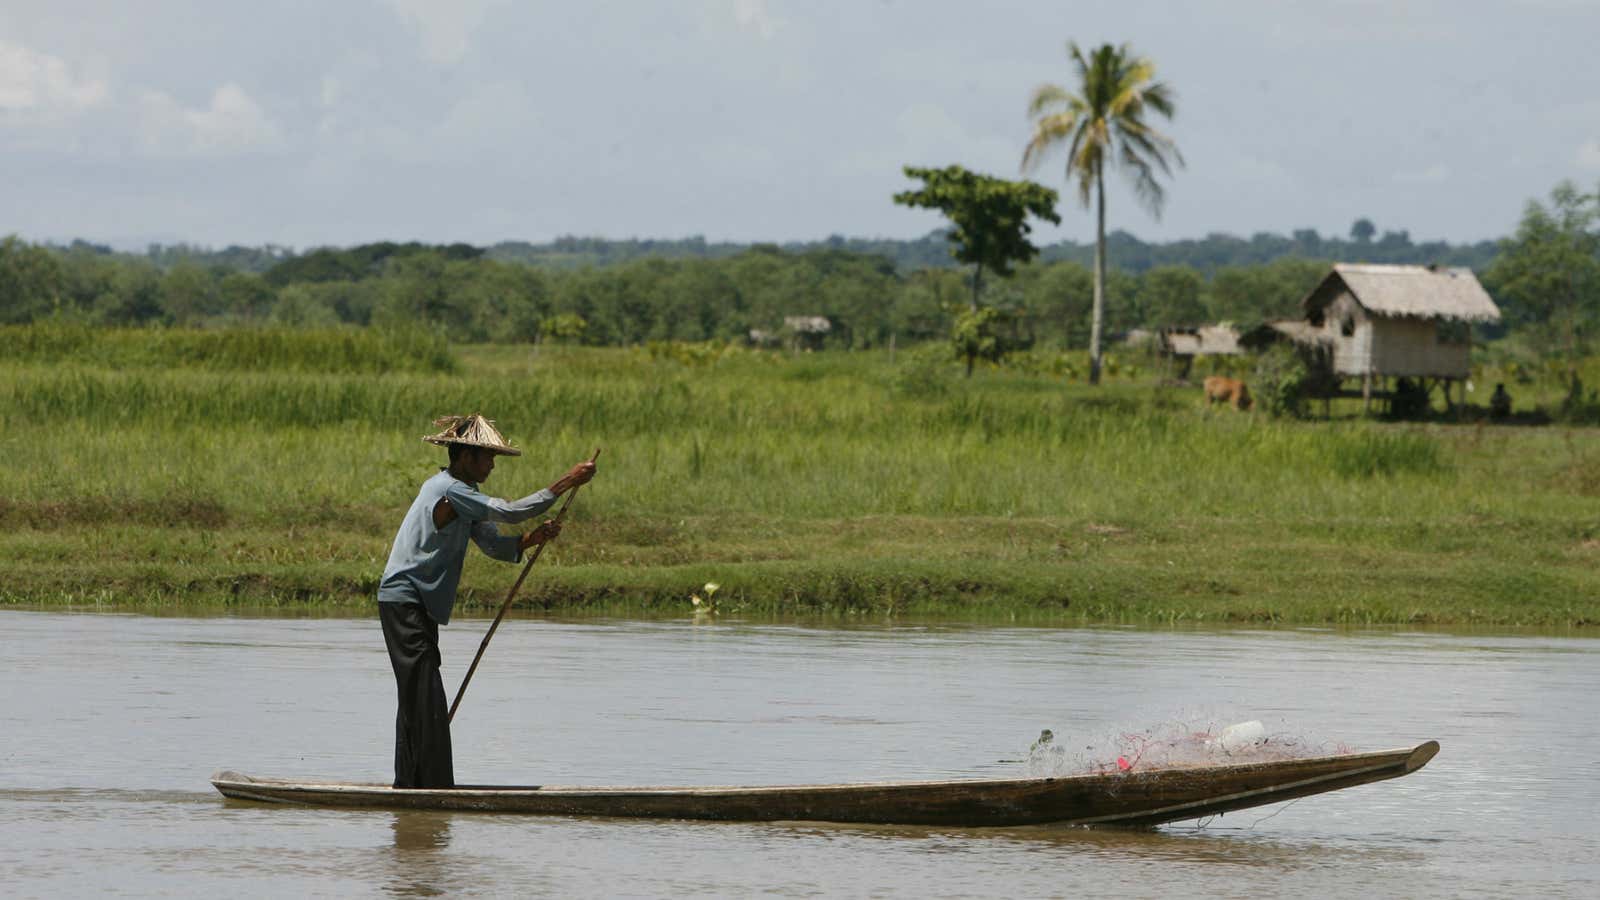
(1137, 798)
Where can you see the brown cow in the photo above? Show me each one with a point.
(1222, 389)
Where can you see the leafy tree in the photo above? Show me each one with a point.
(528, 299)
(1307, 241)
(921, 305)
(245, 295)
(354, 302)
(990, 216)
(976, 335)
(31, 281)
(767, 284)
(88, 277)
(564, 327)
(419, 288)
(702, 303)
(133, 298)
(1105, 119)
(1061, 296)
(486, 300)
(1548, 273)
(330, 264)
(1362, 230)
(299, 305)
(188, 294)
(1246, 295)
(1394, 243)
(852, 290)
(1170, 295)
(1124, 305)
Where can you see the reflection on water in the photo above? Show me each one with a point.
(420, 843)
(113, 722)
(420, 831)
(1210, 846)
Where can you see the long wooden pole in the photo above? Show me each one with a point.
(510, 595)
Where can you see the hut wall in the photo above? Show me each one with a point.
(1352, 353)
(1412, 347)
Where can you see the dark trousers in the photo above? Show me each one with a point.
(422, 724)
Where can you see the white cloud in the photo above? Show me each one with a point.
(1259, 171)
(1434, 174)
(36, 82)
(491, 123)
(330, 90)
(759, 102)
(754, 16)
(445, 27)
(346, 90)
(926, 134)
(492, 120)
(232, 122)
(1588, 155)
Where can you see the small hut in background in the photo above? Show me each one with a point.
(807, 332)
(1180, 346)
(1382, 322)
(1139, 339)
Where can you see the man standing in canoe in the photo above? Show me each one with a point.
(419, 583)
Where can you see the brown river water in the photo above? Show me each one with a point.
(112, 723)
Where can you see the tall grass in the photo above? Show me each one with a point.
(321, 350)
(748, 436)
(819, 478)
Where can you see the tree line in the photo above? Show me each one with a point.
(474, 297)
(1546, 278)
(1127, 251)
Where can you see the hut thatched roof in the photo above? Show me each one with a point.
(1297, 331)
(1206, 340)
(808, 324)
(1424, 292)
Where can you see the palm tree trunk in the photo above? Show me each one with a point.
(1098, 315)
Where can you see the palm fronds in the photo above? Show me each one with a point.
(1106, 118)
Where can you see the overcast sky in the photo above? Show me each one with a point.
(344, 121)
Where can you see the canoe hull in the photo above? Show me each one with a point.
(1122, 799)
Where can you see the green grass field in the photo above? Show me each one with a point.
(171, 469)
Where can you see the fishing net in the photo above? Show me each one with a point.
(1173, 745)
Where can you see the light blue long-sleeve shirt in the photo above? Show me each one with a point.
(425, 562)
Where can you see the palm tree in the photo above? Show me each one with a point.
(1105, 119)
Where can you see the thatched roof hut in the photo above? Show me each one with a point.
(807, 332)
(1428, 292)
(1206, 340)
(1181, 346)
(808, 324)
(1411, 321)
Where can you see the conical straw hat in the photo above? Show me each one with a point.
(473, 431)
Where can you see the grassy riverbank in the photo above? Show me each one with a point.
(821, 484)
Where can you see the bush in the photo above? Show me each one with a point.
(1281, 382)
(923, 372)
(1578, 407)
(691, 353)
(1034, 362)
